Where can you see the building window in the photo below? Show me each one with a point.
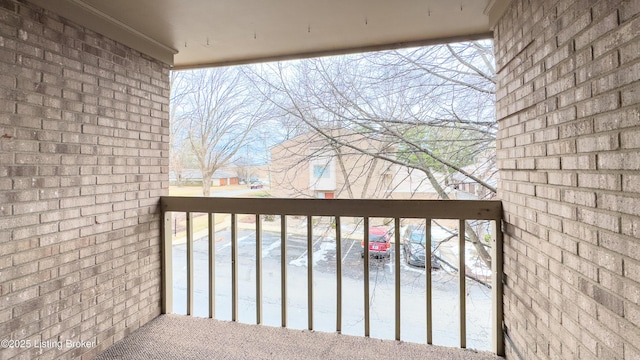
(324, 195)
(321, 171)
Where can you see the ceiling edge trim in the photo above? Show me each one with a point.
(96, 20)
(333, 52)
(495, 9)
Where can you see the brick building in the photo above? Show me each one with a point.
(310, 166)
(84, 95)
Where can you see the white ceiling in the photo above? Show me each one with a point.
(210, 33)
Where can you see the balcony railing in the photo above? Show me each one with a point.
(426, 210)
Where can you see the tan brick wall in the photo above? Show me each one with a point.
(568, 149)
(83, 160)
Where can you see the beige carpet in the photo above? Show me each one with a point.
(182, 337)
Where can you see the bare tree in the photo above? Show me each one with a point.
(218, 114)
(180, 149)
(243, 167)
(432, 108)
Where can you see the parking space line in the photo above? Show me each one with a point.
(348, 250)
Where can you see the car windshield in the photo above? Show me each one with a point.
(417, 238)
(377, 238)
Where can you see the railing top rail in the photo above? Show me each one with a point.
(434, 209)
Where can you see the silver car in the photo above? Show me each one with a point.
(414, 244)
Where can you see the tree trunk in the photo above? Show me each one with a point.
(473, 237)
(344, 172)
(368, 179)
(482, 251)
(206, 185)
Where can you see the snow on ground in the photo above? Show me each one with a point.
(318, 255)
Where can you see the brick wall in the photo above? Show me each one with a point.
(569, 116)
(83, 160)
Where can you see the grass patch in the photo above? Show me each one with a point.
(261, 194)
(200, 223)
(185, 190)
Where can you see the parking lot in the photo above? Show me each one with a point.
(381, 297)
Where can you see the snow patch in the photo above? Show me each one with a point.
(318, 255)
(266, 251)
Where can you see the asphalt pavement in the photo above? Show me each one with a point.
(381, 296)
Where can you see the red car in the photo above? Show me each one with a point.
(379, 242)
(257, 185)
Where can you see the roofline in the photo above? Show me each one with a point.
(495, 9)
(345, 51)
(102, 23)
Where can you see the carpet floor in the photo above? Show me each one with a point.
(185, 338)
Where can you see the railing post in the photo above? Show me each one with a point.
(212, 266)
(462, 271)
(234, 268)
(338, 275)
(190, 272)
(258, 270)
(167, 264)
(283, 268)
(497, 263)
(427, 270)
(396, 250)
(310, 272)
(366, 278)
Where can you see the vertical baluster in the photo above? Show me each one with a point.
(462, 282)
(338, 275)
(283, 268)
(234, 268)
(167, 264)
(258, 269)
(190, 281)
(310, 271)
(496, 288)
(212, 266)
(427, 269)
(366, 278)
(396, 250)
